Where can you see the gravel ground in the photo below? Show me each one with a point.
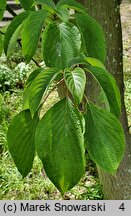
(126, 31)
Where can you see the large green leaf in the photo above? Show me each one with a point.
(104, 137)
(17, 21)
(109, 86)
(21, 141)
(27, 5)
(31, 33)
(34, 92)
(75, 81)
(2, 8)
(61, 43)
(60, 145)
(93, 36)
(72, 4)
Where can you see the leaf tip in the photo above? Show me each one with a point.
(63, 187)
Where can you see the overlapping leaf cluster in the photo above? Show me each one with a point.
(73, 47)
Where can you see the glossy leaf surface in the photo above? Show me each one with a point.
(75, 81)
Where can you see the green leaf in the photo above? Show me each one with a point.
(102, 101)
(77, 61)
(31, 33)
(27, 5)
(61, 43)
(47, 5)
(73, 5)
(32, 76)
(104, 137)
(60, 145)
(109, 86)
(33, 94)
(75, 81)
(13, 40)
(93, 36)
(21, 141)
(50, 3)
(1, 45)
(2, 8)
(16, 22)
(30, 79)
(95, 62)
(63, 13)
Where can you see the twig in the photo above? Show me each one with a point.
(37, 64)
